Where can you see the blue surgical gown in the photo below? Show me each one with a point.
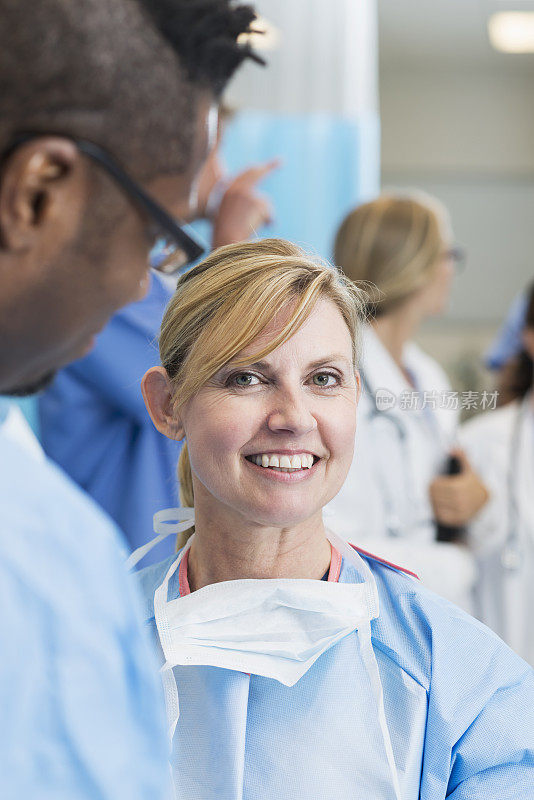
(94, 423)
(459, 707)
(82, 713)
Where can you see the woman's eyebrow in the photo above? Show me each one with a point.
(264, 366)
(321, 362)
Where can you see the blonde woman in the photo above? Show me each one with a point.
(294, 666)
(402, 245)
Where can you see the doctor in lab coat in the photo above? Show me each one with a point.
(408, 416)
(501, 445)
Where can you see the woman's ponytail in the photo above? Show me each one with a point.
(185, 479)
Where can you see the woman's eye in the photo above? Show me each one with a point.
(324, 379)
(245, 379)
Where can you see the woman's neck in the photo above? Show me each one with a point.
(222, 552)
(396, 329)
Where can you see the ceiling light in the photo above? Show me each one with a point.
(512, 31)
(264, 35)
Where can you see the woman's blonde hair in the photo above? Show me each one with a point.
(394, 242)
(226, 301)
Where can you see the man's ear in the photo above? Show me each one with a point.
(43, 179)
(157, 394)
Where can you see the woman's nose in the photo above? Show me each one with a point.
(291, 414)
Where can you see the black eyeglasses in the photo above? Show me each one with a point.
(175, 245)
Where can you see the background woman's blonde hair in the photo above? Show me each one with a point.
(394, 242)
(226, 301)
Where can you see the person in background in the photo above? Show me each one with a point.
(231, 203)
(403, 245)
(105, 109)
(295, 665)
(502, 353)
(507, 342)
(93, 421)
(500, 444)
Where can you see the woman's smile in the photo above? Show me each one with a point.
(284, 466)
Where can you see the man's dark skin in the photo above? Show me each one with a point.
(56, 292)
(137, 79)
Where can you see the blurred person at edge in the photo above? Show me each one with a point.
(501, 355)
(104, 109)
(403, 245)
(500, 444)
(93, 420)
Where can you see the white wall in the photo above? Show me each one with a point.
(475, 119)
(466, 134)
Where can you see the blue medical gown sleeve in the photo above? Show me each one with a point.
(124, 351)
(494, 757)
(82, 713)
(480, 732)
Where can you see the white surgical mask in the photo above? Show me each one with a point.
(274, 628)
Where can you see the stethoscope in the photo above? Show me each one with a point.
(394, 526)
(512, 552)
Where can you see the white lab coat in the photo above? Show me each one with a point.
(384, 504)
(500, 446)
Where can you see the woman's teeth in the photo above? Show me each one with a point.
(283, 463)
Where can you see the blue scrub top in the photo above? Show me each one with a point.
(81, 706)
(459, 707)
(507, 342)
(94, 424)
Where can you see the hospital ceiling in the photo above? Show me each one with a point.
(445, 31)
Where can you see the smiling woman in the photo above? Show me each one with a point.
(300, 666)
(268, 306)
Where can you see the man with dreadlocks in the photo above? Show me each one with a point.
(106, 113)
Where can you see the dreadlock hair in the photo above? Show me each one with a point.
(125, 74)
(205, 33)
